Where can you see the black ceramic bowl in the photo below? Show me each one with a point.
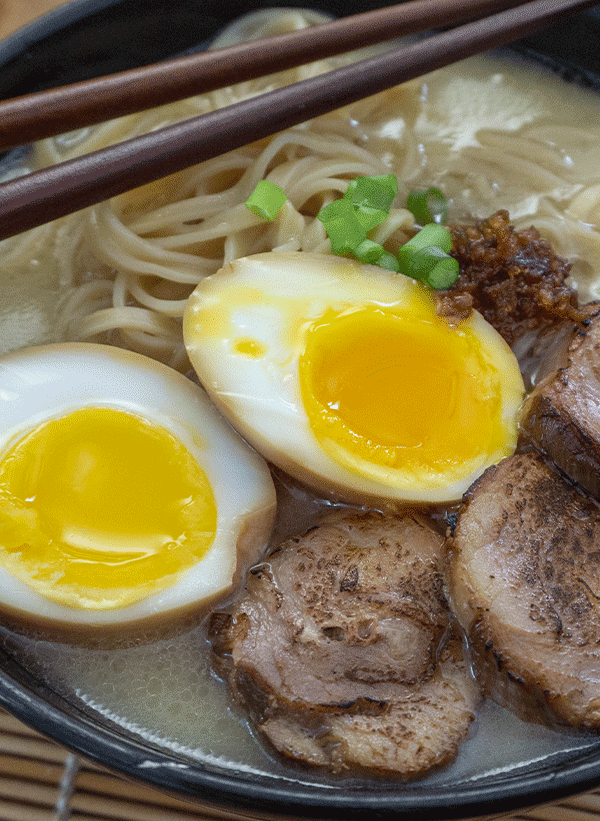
(88, 38)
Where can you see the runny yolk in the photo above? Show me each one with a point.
(100, 508)
(401, 390)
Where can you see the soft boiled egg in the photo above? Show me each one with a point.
(124, 495)
(345, 377)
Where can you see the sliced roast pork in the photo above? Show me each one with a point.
(419, 728)
(336, 648)
(524, 578)
(562, 415)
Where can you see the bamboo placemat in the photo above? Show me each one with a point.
(40, 781)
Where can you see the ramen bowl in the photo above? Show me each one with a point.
(145, 701)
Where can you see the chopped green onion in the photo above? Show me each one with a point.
(373, 192)
(369, 251)
(444, 274)
(372, 198)
(374, 254)
(425, 256)
(266, 200)
(338, 209)
(342, 226)
(370, 218)
(389, 262)
(431, 264)
(418, 262)
(430, 235)
(428, 206)
(365, 204)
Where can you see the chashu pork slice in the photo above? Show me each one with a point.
(562, 415)
(419, 729)
(524, 579)
(335, 647)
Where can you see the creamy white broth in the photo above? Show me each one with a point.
(478, 130)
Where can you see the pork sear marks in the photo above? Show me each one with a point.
(524, 577)
(419, 728)
(562, 415)
(340, 648)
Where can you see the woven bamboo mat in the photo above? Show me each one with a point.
(39, 781)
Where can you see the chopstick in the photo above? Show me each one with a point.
(45, 113)
(38, 198)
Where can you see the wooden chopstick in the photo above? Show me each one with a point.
(45, 113)
(38, 198)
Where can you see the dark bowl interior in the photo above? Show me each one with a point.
(88, 38)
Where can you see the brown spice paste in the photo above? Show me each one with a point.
(513, 278)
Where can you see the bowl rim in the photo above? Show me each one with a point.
(47, 24)
(221, 789)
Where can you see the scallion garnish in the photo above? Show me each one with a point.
(425, 256)
(365, 204)
(374, 254)
(342, 225)
(444, 274)
(389, 262)
(369, 251)
(373, 192)
(427, 206)
(372, 198)
(430, 235)
(266, 200)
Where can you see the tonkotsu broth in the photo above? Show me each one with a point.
(493, 132)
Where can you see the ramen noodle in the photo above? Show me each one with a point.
(121, 271)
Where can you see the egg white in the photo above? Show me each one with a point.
(270, 300)
(37, 384)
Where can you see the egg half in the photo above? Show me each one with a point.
(124, 495)
(345, 377)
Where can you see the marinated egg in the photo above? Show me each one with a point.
(124, 495)
(344, 376)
